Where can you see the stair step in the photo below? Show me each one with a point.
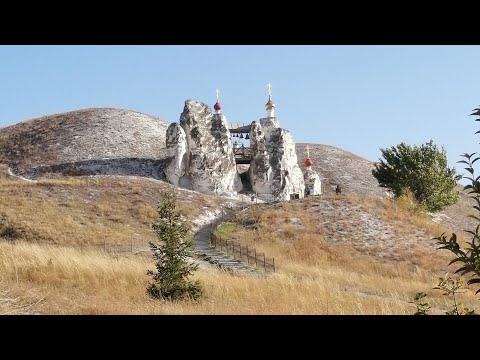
(203, 249)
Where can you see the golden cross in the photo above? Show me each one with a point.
(269, 86)
(308, 152)
(218, 94)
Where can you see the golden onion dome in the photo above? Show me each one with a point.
(270, 104)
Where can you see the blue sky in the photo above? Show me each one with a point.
(359, 98)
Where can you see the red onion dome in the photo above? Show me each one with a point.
(217, 106)
(308, 163)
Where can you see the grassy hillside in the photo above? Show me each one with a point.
(90, 211)
(58, 280)
(47, 270)
(354, 174)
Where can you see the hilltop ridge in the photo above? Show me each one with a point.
(83, 137)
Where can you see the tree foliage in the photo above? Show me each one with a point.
(421, 169)
(468, 257)
(172, 253)
(451, 287)
(420, 301)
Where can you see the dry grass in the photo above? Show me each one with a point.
(87, 211)
(379, 228)
(45, 272)
(45, 279)
(400, 212)
(303, 245)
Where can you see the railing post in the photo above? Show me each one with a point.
(248, 258)
(211, 234)
(256, 265)
(264, 263)
(240, 252)
(273, 263)
(226, 245)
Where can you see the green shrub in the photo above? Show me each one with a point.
(7, 230)
(421, 169)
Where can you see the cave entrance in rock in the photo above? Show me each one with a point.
(240, 137)
(242, 170)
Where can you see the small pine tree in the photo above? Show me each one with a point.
(171, 254)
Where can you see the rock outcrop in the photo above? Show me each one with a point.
(274, 169)
(176, 161)
(260, 171)
(313, 184)
(201, 157)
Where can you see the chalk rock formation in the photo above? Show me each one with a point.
(274, 169)
(201, 157)
(176, 162)
(312, 182)
(260, 171)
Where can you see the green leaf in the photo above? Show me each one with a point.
(464, 269)
(456, 260)
(473, 217)
(473, 281)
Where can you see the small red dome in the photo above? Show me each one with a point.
(217, 106)
(308, 163)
